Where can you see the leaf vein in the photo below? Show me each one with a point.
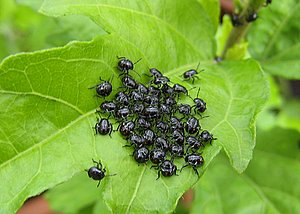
(135, 190)
(46, 97)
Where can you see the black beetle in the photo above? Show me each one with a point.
(103, 127)
(157, 155)
(103, 89)
(191, 74)
(178, 137)
(162, 143)
(96, 172)
(252, 17)
(193, 143)
(126, 128)
(184, 109)
(167, 169)
(206, 137)
(151, 112)
(149, 137)
(129, 82)
(125, 65)
(136, 140)
(179, 89)
(155, 73)
(177, 150)
(193, 160)
(108, 106)
(141, 155)
(122, 98)
(192, 125)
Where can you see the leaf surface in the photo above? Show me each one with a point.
(153, 21)
(271, 183)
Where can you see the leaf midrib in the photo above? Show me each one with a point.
(136, 189)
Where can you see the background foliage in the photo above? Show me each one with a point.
(47, 111)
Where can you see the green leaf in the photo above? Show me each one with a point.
(268, 116)
(289, 116)
(75, 195)
(22, 29)
(46, 125)
(48, 112)
(274, 39)
(212, 8)
(154, 21)
(34, 4)
(271, 183)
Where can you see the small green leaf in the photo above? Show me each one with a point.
(271, 183)
(274, 39)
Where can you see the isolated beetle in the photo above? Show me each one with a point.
(191, 74)
(97, 172)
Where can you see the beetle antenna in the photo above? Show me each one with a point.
(198, 92)
(137, 61)
(198, 66)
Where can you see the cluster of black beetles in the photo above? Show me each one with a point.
(153, 121)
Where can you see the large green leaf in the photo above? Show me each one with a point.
(47, 115)
(274, 39)
(47, 111)
(271, 183)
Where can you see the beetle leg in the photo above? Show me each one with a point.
(183, 167)
(158, 175)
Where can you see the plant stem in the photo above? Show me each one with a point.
(238, 33)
